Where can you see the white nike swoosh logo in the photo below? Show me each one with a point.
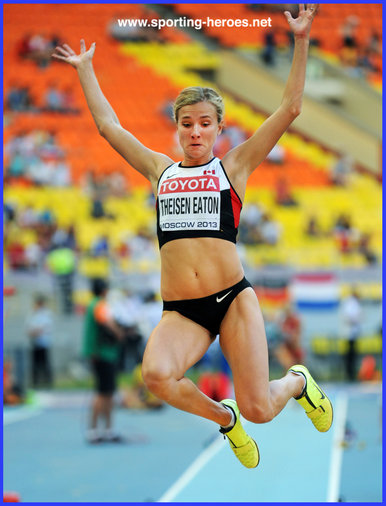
(223, 297)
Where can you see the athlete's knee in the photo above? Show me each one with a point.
(257, 412)
(157, 378)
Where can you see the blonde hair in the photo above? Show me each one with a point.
(196, 94)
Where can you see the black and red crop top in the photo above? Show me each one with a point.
(197, 201)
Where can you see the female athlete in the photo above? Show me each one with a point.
(203, 286)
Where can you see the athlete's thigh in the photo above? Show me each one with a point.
(244, 344)
(175, 345)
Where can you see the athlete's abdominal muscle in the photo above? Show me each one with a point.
(193, 268)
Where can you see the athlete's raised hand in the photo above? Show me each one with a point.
(68, 55)
(301, 25)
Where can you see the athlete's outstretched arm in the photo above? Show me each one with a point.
(147, 162)
(248, 155)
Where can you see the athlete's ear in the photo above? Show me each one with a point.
(220, 127)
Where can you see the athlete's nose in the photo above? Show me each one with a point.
(196, 130)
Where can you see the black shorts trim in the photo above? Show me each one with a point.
(105, 374)
(208, 311)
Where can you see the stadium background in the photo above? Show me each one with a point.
(59, 175)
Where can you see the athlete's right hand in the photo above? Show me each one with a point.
(68, 55)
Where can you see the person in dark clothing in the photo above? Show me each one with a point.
(101, 346)
(39, 329)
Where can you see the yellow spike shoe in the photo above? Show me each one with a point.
(243, 446)
(315, 402)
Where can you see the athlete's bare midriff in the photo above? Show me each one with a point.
(194, 268)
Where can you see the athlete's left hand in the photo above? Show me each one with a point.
(301, 25)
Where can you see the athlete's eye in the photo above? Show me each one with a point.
(186, 125)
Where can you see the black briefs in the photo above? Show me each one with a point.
(207, 311)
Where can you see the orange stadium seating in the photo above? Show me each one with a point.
(135, 91)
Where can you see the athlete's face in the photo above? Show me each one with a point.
(198, 129)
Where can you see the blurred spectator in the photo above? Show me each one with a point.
(235, 134)
(33, 255)
(36, 156)
(101, 346)
(45, 229)
(68, 101)
(40, 328)
(38, 47)
(39, 173)
(9, 211)
(368, 369)
(283, 196)
(344, 233)
(313, 227)
(126, 311)
(47, 145)
(142, 246)
(291, 330)
(250, 220)
(257, 227)
(97, 206)
(97, 189)
(118, 185)
(100, 246)
(348, 31)
(230, 137)
(57, 100)
(150, 314)
(24, 46)
(70, 240)
(364, 248)
(343, 223)
(341, 170)
(61, 262)
(28, 217)
(16, 255)
(284, 337)
(60, 173)
(365, 62)
(350, 47)
(352, 317)
(18, 99)
(65, 237)
(53, 98)
(272, 330)
(268, 54)
(222, 145)
(167, 110)
(12, 393)
(270, 230)
(374, 44)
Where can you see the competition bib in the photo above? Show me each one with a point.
(190, 203)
